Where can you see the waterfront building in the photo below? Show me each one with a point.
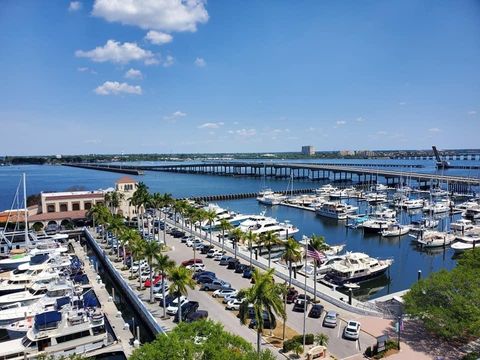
(308, 150)
(126, 186)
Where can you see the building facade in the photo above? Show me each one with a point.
(308, 150)
(126, 186)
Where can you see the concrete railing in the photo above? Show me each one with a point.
(138, 304)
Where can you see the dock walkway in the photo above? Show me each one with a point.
(109, 308)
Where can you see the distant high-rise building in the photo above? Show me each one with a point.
(308, 150)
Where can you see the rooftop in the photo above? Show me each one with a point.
(126, 180)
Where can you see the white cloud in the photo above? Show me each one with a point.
(210, 125)
(118, 53)
(133, 74)
(434, 130)
(360, 119)
(472, 112)
(158, 38)
(169, 60)
(341, 122)
(200, 62)
(86, 69)
(401, 103)
(166, 15)
(116, 88)
(92, 141)
(174, 116)
(244, 132)
(75, 6)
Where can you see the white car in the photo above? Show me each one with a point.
(223, 292)
(352, 330)
(211, 253)
(145, 275)
(190, 242)
(218, 255)
(198, 246)
(234, 304)
(157, 288)
(136, 264)
(196, 267)
(173, 308)
(159, 295)
(230, 297)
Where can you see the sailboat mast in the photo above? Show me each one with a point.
(27, 242)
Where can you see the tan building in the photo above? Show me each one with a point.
(126, 186)
(308, 150)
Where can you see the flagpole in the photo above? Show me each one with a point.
(305, 297)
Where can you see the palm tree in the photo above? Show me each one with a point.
(264, 296)
(139, 199)
(178, 206)
(117, 226)
(150, 250)
(163, 264)
(98, 213)
(182, 207)
(190, 212)
(168, 201)
(210, 216)
(180, 279)
(113, 200)
(270, 239)
(292, 254)
(251, 238)
(156, 202)
(200, 217)
(321, 339)
(224, 226)
(127, 237)
(236, 234)
(136, 247)
(317, 243)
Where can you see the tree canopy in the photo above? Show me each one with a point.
(200, 340)
(448, 302)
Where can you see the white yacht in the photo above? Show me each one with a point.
(473, 212)
(385, 213)
(423, 224)
(461, 226)
(271, 199)
(21, 256)
(26, 280)
(379, 187)
(58, 334)
(375, 198)
(261, 224)
(377, 225)
(437, 192)
(436, 208)
(335, 210)
(413, 204)
(325, 190)
(466, 242)
(431, 238)
(395, 230)
(356, 267)
(343, 193)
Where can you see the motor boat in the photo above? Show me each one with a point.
(436, 208)
(356, 267)
(461, 226)
(395, 230)
(29, 280)
(466, 242)
(384, 213)
(413, 204)
(261, 224)
(375, 225)
(335, 210)
(57, 334)
(343, 193)
(271, 199)
(431, 238)
(437, 192)
(375, 198)
(325, 190)
(423, 224)
(473, 212)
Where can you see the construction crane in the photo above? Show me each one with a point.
(441, 164)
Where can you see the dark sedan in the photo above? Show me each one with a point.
(316, 311)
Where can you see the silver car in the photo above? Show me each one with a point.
(330, 319)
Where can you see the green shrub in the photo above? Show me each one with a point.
(309, 338)
(289, 345)
(471, 356)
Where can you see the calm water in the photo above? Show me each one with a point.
(407, 259)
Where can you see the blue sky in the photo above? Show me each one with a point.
(238, 76)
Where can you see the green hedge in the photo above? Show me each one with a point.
(288, 345)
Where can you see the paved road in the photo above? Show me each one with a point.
(338, 346)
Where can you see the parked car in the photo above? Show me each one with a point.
(300, 305)
(168, 299)
(248, 272)
(145, 275)
(220, 293)
(215, 285)
(185, 238)
(303, 296)
(292, 295)
(191, 262)
(136, 264)
(197, 315)
(330, 319)
(206, 249)
(196, 267)
(207, 279)
(269, 321)
(158, 286)
(155, 279)
(234, 304)
(193, 241)
(202, 273)
(239, 268)
(198, 246)
(225, 259)
(187, 308)
(211, 252)
(232, 263)
(352, 330)
(218, 255)
(316, 311)
(173, 307)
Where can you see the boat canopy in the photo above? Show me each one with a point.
(47, 320)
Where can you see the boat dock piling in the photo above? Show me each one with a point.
(122, 332)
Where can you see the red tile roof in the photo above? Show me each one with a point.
(77, 214)
(126, 180)
(74, 197)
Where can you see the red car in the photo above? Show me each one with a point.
(191, 262)
(156, 279)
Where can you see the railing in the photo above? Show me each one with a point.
(144, 313)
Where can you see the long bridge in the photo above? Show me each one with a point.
(357, 173)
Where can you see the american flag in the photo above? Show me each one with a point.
(317, 255)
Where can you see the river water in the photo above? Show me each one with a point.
(407, 258)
